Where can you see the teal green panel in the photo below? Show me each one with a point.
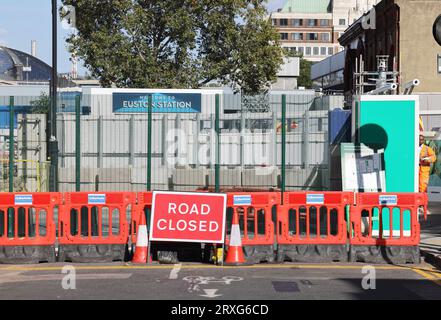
(391, 125)
(375, 222)
(407, 223)
(385, 216)
(396, 221)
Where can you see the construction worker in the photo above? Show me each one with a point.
(427, 157)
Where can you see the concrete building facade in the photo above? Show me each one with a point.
(312, 27)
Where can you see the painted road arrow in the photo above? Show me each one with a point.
(210, 293)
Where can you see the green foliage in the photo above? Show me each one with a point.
(304, 79)
(41, 105)
(177, 43)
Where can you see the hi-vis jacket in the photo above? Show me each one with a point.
(429, 156)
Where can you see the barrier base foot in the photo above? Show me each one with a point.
(385, 254)
(312, 253)
(26, 254)
(91, 253)
(259, 254)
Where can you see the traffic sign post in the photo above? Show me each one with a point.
(188, 217)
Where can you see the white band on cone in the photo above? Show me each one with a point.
(235, 240)
(142, 240)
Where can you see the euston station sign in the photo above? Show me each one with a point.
(161, 102)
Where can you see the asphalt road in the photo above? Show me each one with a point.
(206, 282)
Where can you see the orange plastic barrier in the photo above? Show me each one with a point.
(256, 212)
(93, 226)
(311, 226)
(385, 228)
(143, 206)
(27, 227)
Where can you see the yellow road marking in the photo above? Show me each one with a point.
(434, 277)
(153, 267)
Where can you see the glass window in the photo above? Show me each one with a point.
(308, 51)
(274, 22)
(330, 51)
(301, 50)
(297, 36)
(325, 37)
(342, 22)
(316, 51)
(323, 51)
(283, 22)
(324, 22)
(284, 36)
(297, 22)
(312, 36)
(311, 22)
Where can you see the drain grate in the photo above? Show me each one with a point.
(285, 286)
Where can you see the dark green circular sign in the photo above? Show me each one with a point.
(437, 30)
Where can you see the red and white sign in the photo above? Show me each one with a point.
(188, 217)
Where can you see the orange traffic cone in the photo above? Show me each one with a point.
(235, 254)
(141, 250)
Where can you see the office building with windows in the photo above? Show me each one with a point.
(312, 27)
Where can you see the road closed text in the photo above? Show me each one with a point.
(188, 225)
(188, 217)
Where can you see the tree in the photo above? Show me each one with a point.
(305, 74)
(41, 105)
(304, 79)
(177, 43)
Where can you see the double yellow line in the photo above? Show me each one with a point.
(432, 275)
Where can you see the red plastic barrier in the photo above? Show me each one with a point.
(255, 211)
(316, 218)
(371, 223)
(27, 219)
(144, 204)
(95, 218)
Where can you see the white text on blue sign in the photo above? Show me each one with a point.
(242, 200)
(315, 198)
(388, 200)
(97, 199)
(23, 199)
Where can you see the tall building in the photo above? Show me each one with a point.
(404, 31)
(312, 27)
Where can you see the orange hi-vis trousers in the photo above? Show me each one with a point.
(424, 174)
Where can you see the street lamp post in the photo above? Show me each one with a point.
(52, 116)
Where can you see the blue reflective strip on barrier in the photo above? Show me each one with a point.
(315, 199)
(242, 200)
(389, 200)
(96, 199)
(21, 199)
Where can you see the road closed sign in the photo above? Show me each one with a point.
(188, 217)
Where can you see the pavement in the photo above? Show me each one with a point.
(194, 282)
(430, 243)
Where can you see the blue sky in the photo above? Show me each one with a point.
(25, 20)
